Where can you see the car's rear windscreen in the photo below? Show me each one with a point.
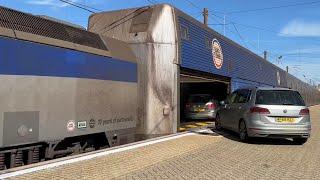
(279, 97)
(199, 98)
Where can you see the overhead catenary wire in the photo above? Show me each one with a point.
(259, 28)
(237, 31)
(273, 7)
(192, 4)
(78, 5)
(84, 5)
(239, 34)
(152, 1)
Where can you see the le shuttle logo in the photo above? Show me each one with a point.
(217, 54)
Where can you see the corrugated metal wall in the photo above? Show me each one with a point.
(237, 63)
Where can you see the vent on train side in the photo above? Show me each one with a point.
(40, 26)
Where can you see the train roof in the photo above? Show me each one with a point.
(29, 27)
(24, 22)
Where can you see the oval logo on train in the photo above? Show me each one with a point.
(217, 54)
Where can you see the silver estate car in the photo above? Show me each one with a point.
(201, 106)
(265, 112)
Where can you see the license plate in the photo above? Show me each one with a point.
(285, 120)
(200, 110)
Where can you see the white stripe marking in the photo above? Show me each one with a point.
(87, 157)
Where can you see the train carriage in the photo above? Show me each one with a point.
(63, 90)
(179, 56)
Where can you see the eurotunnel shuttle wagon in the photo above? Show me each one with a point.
(178, 55)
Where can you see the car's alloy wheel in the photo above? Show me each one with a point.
(217, 123)
(243, 131)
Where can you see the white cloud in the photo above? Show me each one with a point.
(301, 28)
(54, 3)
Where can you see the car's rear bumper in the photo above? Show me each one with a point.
(201, 115)
(278, 132)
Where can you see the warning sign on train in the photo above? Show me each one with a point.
(217, 54)
(71, 125)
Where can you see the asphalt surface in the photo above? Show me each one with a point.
(203, 157)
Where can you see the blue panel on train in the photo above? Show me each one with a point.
(44, 60)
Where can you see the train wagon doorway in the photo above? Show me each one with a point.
(200, 95)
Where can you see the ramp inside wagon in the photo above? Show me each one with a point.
(200, 94)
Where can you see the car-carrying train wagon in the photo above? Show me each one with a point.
(178, 55)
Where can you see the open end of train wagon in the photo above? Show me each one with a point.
(199, 99)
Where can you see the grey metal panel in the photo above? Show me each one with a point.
(20, 127)
(120, 49)
(60, 100)
(141, 20)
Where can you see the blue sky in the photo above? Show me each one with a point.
(291, 32)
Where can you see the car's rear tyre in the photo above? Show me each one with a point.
(300, 141)
(243, 133)
(217, 122)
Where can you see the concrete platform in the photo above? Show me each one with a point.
(114, 162)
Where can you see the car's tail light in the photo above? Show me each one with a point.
(259, 110)
(211, 106)
(304, 111)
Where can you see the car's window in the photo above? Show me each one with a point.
(242, 96)
(231, 99)
(279, 97)
(200, 98)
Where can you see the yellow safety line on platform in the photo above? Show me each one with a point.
(185, 127)
(202, 124)
(191, 126)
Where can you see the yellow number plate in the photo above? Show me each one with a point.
(285, 119)
(200, 110)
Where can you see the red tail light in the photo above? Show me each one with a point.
(211, 106)
(259, 110)
(304, 112)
